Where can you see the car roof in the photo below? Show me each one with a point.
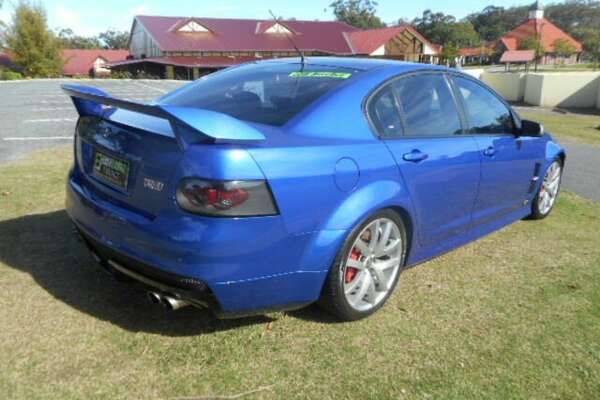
(358, 63)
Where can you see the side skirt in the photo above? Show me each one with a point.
(428, 254)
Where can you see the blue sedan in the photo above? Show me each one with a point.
(277, 184)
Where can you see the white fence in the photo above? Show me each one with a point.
(553, 89)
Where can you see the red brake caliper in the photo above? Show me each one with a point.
(351, 271)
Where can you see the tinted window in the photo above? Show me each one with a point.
(266, 93)
(428, 106)
(384, 113)
(485, 112)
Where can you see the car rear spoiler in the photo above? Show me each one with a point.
(189, 125)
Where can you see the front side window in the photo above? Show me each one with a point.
(384, 113)
(428, 106)
(267, 93)
(486, 114)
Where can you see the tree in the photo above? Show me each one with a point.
(493, 22)
(575, 14)
(444, 29)
(70, 40)
(570, 15)
(535, 44)
(563, 48)
(114, 39)
(449, 53)
(358, 13)
(2, 29)
(34, 47)
(433, 25)
(591, 44)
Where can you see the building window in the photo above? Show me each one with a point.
(278, 28)
(193, 26)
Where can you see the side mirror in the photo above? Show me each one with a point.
(531, 128)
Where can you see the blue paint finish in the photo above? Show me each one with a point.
(443, 186)
(216, 125)
(210, 124)
(346, 174)
(506, 175)
(327, 172)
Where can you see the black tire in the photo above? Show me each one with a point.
(333, 298)
(536, 211)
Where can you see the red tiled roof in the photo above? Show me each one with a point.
(246, 35)
(187, 61)
(510, 43)
(80, 62)
(542, 28)
(366, 42)
(475, 51)
(517, 56)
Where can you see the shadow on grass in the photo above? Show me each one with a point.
(44, 246)
(313, 313)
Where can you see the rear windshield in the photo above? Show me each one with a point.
(267, 93)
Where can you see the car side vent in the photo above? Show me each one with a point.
(536, 176)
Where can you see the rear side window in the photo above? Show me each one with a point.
(384, 113)
(267, 93)
(428, 106)
(486, 114)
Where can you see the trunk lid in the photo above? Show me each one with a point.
(130, 152)
(146, 159)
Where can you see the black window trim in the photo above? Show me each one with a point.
(399, 111)
(449, 77)
(389, 82)
(515, 118)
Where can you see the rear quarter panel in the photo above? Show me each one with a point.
(308, 163)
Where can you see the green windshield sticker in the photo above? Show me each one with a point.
(320, 74)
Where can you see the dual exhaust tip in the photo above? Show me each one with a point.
(170, 303)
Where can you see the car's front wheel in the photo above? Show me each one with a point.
(367, 267)
(548, 193)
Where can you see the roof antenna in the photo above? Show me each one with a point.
(302, 61)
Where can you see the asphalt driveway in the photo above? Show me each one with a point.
(37, 115)
(582, 171)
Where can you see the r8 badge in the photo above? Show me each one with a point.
(152, 184)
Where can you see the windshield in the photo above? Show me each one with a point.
(267, 93)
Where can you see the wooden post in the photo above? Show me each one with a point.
(170, 72)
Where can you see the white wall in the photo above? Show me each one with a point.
(553, 89)
(534, 89)
(474, 72)
(511, 85)
(569, 89)
(380, 51)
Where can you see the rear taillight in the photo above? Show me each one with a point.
(226, 198)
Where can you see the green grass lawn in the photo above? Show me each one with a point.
(577, 127)
(515, 315)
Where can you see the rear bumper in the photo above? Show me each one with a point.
(247, 265)
(190, 289)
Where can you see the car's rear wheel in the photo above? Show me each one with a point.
(548, 193)
(367, 267)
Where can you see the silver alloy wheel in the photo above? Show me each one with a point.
(372, 264)
(549, 189)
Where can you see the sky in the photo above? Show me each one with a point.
(88, 18)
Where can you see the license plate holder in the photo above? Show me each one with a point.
(111, 169)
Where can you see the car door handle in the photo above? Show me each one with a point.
(489, 152)
(414, 156)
